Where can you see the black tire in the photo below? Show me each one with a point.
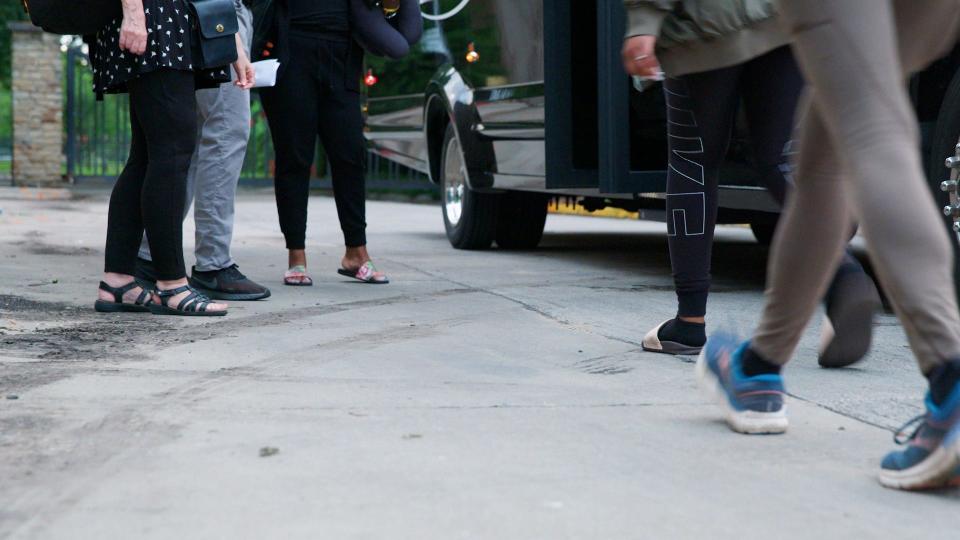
(520, 220)
(764, 228)
(476, 224)
(946, 134)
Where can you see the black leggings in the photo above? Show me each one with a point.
(150, 192)
(311, 98)
(702, 109)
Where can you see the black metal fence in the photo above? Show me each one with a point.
(98, 138)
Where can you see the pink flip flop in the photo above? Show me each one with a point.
(297, 276)
(367, 273)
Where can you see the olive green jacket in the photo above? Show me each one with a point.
(703, 35)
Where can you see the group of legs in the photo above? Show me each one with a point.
(312, 99)
(189, 145)
(857, 164)
(701, 112)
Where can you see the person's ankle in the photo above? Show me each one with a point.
(355, 256)
(355, 252)
(297, 257)
(685, 332)
(753, 364)
(114, 279)
(943, 380)
(167, 285)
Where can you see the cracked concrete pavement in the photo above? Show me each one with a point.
(480, 395)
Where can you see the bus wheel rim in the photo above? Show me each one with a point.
(455, 183)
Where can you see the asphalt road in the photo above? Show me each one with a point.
(480, 395)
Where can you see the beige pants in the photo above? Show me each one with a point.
(859, 162)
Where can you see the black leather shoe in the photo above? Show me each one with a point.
(847, 332)
(228, 284)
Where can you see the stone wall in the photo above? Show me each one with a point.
(37, 106)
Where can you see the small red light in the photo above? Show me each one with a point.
(370, 79)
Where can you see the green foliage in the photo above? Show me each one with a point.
(6, 113)
(409, 75)
(10, 10)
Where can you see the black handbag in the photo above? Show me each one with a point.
(78, 17)
(216, 24)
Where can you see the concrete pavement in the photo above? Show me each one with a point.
(480, 395)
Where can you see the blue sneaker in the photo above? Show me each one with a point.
(751, 405)
(932, 457)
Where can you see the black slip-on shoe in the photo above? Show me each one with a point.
(656, 341)
(848, 327)
(228, 284)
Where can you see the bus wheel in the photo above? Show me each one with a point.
(943, 145)
(521, 219)
(763, 228)
(470, 218)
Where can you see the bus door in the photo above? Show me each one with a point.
(570, 88)
(602, 132)
(632, 120)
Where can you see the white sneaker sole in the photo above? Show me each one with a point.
(937, 471)
(747, 422)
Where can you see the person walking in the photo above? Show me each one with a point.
(317, 93)
(858, 159)
(147, 52)
(223, 129)
(717, 55)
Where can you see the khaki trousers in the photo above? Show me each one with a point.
(859, 161)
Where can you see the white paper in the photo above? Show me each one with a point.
(265, 72)
(642, 84)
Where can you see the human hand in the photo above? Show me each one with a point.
(639, 56)
(246, 77)
(133, 29)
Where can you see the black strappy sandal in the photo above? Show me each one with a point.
(194, 305)
(140, 305)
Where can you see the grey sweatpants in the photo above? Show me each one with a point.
(859, 162)
(223, 128)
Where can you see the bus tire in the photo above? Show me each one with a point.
(520, 220)
(469, 217)
(764, 228)
(943, 145)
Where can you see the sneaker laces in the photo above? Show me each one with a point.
(901, 438)
(234, 272)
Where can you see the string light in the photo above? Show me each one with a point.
(472, 54)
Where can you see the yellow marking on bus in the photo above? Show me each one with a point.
(565, 207)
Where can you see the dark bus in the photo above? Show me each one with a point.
(507, 103)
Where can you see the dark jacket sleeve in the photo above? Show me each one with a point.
(409, 21)
(382, 37)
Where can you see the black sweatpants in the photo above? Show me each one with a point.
(150, 192)
(701, 112)
(311, 98)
